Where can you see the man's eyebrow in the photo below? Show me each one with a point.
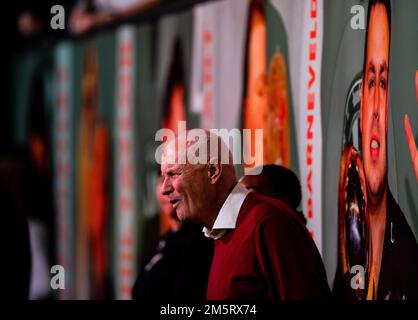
(172, 170)
(383, 67)
(371, 68)
(168, 171)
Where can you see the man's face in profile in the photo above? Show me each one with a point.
(163, 201)
(374, 110)
(258, 183)
(186, 185)
(255, 104)
(256, 100)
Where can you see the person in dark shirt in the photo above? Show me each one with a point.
(16, 253)
(277, 182)
(394, 248)
(178, 268)
(262, 249)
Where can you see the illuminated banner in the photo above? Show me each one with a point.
(91, 185)
(124, 165)
(216, 73)
(346, 108)
(203, 64)
(84, 168)
(63, 164)
(309, 118)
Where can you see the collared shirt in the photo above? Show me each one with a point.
(398, 278)
(228, 215)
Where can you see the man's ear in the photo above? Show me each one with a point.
(386, 116)
(214, 172)
(361, 105)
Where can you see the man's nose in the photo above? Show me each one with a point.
(167, 186)
(376, 103)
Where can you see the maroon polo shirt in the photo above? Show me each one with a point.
(269, 255)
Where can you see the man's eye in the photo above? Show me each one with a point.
(172, 174)
(371, 83)
(382, 83)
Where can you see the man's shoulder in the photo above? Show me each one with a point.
(258, 208)
(400, 255)
(257, 200)
(398, 229)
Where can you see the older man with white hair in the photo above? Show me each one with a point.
(262, 250)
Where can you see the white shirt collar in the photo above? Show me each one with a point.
(228, 215)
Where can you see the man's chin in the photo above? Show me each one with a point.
(180, 215)
(375, 191)
(173, 215)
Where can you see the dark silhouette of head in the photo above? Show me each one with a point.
(277, 182)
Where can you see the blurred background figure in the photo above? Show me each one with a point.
(16, 252)
(89, 14)
(174, 104)
(255, 101)
(26, 210)
(30, 21)
(178, 268)
(277, 182)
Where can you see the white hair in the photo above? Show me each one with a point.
(196, 146)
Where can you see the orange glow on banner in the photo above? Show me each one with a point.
(266, 99)
(175, 109)
(124, 166)
(64, 166)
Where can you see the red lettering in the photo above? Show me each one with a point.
(125, 80)
(309, 183)
(126, 175)
(124, 256)
(309, 149)
(62, 74)
(63, 125)
(125, 54)
(126, 240)
(312, 76)
(63, 195)
(312, 51)
(309, 133)
(207, 37)
(125, 147)
(125, 204)
(314, 6)
(208, 104)
(62, 101)
(124, 99)
(126, 272)
(207, 78)
(311, 100)
(125, 123)
(126, 290)
(62, 145)
(63, 168)
(125, 60)
(312, 33)
(124, 89)
(207, 62)
(310, 211)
